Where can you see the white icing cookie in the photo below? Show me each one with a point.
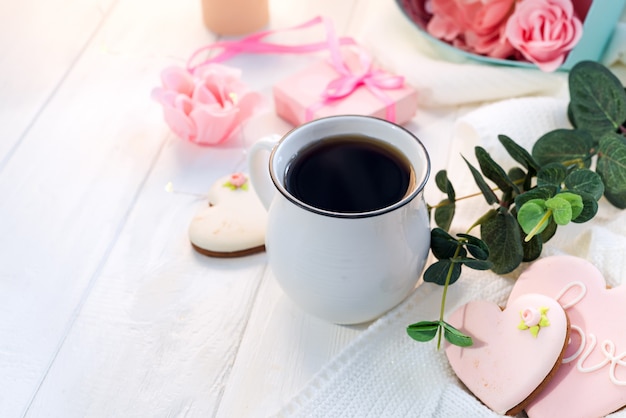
(233, 224)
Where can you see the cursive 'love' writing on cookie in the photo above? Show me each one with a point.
(591, 382)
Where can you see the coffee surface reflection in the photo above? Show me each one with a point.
(348, 174)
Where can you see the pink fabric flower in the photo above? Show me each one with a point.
(206, 107)
(475, 26)
(544, 31)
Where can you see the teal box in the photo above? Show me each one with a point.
(598, 28)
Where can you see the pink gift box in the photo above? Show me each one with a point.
(301, 93)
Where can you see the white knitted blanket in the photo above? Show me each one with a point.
(384, 373)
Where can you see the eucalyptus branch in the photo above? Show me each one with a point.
(445, 294)
(452, 254)
(446, 202)
(552, 186)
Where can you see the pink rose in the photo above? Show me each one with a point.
(206, 107)
(238, 179)
(544, 31)
(531, 317)
(472, 25)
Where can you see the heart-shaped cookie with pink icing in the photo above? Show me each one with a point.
(515, 350)
(591, 382)
(233, 223)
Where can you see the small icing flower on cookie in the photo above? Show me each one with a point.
(534, 319)
(237, 181)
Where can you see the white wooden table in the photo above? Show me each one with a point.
(105, 309)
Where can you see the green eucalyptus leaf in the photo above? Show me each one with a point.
(552, 174)
(439, 270)
(570, 115)
(541, 193)
(489, 195)
(443, 184)
(475, 246)
(564, 146)
(575, 201)
(475, 264)
(423, 331)
(490, 213)
(561, 210)
(597, 98)
(441, 180)
(517, 175)
(444, 214)
(519, 154)
(493, 171)
(456, 337)
(585, 181)
(442, 244)
(531, 214)
(616, 199)
(532, 248)
(438, 233)
(520, 177)
(611, 167)
(548, 232)
(590, 208)
(502, 235)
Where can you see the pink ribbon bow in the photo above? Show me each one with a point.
(374, 80)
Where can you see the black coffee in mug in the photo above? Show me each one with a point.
(349, 174)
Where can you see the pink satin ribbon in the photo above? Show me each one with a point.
(255, 44)
(374, 80)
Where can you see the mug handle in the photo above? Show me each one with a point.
(258, 163)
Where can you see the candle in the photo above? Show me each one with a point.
(235, 17)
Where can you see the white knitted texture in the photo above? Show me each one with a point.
(384, 373)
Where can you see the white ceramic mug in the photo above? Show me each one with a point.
(351, 267)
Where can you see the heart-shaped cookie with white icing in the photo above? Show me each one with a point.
(515, 351)
(591, 382)
(234, 221)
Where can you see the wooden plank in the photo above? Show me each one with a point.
(71, 184)
(35, 35)
(136, 323)
(169, 329)
(162, 325)
(283, 348)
